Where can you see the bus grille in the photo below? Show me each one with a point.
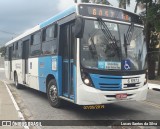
(106, 83)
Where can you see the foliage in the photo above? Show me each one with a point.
(96, 1)
(152, 24)
(123, 3)
(152, 13)
(153, 16)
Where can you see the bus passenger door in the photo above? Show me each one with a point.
(25, 55)
(67, 46)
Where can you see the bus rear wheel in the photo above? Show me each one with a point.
(16, 81)
(52, 93)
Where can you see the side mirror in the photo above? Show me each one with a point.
(79, 27)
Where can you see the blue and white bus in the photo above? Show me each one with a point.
(88, 54)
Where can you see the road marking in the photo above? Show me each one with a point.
(151, 104)
(16, 105)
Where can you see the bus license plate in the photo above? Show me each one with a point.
(121, 96)
(133, 80)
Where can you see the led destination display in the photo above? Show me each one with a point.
(108, 13)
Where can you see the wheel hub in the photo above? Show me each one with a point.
(53, 93)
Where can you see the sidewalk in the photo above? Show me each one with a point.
(7, 108)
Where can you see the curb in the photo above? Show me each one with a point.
(154, 86)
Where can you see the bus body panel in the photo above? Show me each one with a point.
(117, 83)
(32, 77)
(7, 69)
(17, 67)
(50, 65)
(90, 96)
(87, 95)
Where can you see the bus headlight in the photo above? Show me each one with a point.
(86, 79)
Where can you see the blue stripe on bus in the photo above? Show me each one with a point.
(45, 68)
(58, 16)
(107, 82)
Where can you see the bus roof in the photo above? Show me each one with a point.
(44, 24)
(53, 19)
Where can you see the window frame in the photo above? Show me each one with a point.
(31, 44)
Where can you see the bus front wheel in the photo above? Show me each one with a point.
(52, 93)
(16, 81)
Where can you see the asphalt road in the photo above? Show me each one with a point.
(34, 105)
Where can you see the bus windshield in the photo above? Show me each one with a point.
(104, 46)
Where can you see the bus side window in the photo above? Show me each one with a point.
(49, 42)
(16, 50)
(13, 47)
(13, 51)
(16, 45)
(6, 53)
(35, 44)
(19, 50)
(44, 35)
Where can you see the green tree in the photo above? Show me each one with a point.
(138, 4)
(123, 3)
(96, 1)
(152, 24)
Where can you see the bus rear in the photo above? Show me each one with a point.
(112, 52)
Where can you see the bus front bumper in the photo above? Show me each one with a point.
(90, 96)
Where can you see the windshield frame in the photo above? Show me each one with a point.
(108, 70)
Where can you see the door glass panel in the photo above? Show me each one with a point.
(72, 48)
(67, 42)
(25, 54)
(65, 57)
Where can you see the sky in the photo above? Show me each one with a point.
(17, 16)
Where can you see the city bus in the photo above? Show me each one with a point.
(88, 54)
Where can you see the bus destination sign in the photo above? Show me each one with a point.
(109, 13)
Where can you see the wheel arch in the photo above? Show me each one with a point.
(14, 73)
(49, 77)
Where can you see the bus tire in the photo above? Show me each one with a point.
(52, 94)
(16, 81)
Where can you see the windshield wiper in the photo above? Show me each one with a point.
(129, 33)
(125, 45)
(111, 40)
(92, 47)
(128, 37)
